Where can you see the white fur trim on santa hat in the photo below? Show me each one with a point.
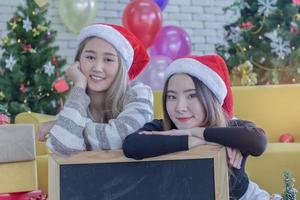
(204, 73)
(113, 37)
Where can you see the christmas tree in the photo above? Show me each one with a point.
(30, 70)
(263, 45)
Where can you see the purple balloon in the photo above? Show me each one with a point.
(173, 42)
(154, 73)
(162, 4)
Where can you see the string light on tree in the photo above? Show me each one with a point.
(262, 60)
(297, 16)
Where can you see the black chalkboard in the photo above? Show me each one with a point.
(197, 174)
(155, 180)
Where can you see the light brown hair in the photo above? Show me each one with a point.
(115, 95)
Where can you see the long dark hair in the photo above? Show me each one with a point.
(214, 114)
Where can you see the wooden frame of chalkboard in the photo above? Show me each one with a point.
(200, 173)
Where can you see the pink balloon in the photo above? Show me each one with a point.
(142, 77)
(172, 42)
(154, 73)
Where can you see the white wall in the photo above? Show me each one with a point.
(203, 20)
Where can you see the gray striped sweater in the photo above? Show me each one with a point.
(75, 130)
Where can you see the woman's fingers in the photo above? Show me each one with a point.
(234, 157)
(44, 129)
(230, 155)
(156, 132)
(146, 132)
(170, 132)
(238, 160)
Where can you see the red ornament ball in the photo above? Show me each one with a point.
(286, 137)
(4, 119)
(48, 36)
(54, 61)
(22, 88)
(294, 30)
(61, 86)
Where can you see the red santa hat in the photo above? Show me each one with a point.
(212, 71)
(131, 49)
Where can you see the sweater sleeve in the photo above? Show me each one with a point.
(137, 111)
(240, 134)
(66, 136)
(139, 146)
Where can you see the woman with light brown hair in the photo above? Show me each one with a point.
(103, 107)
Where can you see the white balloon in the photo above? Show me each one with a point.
(76, 14)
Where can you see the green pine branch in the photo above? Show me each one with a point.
(290, 192)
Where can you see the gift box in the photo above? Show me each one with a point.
(4, 115)
(33, 195)
(17, 143)
(18, 176)
(4, 119)
(18, 167)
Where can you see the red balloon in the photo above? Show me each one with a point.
(143, 18)
(286, 137)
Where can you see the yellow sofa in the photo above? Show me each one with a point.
(277, 110)
(274, 108)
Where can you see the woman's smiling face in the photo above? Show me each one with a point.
(99, 62)
(182, 103)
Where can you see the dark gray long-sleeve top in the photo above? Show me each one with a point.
(239, 134)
